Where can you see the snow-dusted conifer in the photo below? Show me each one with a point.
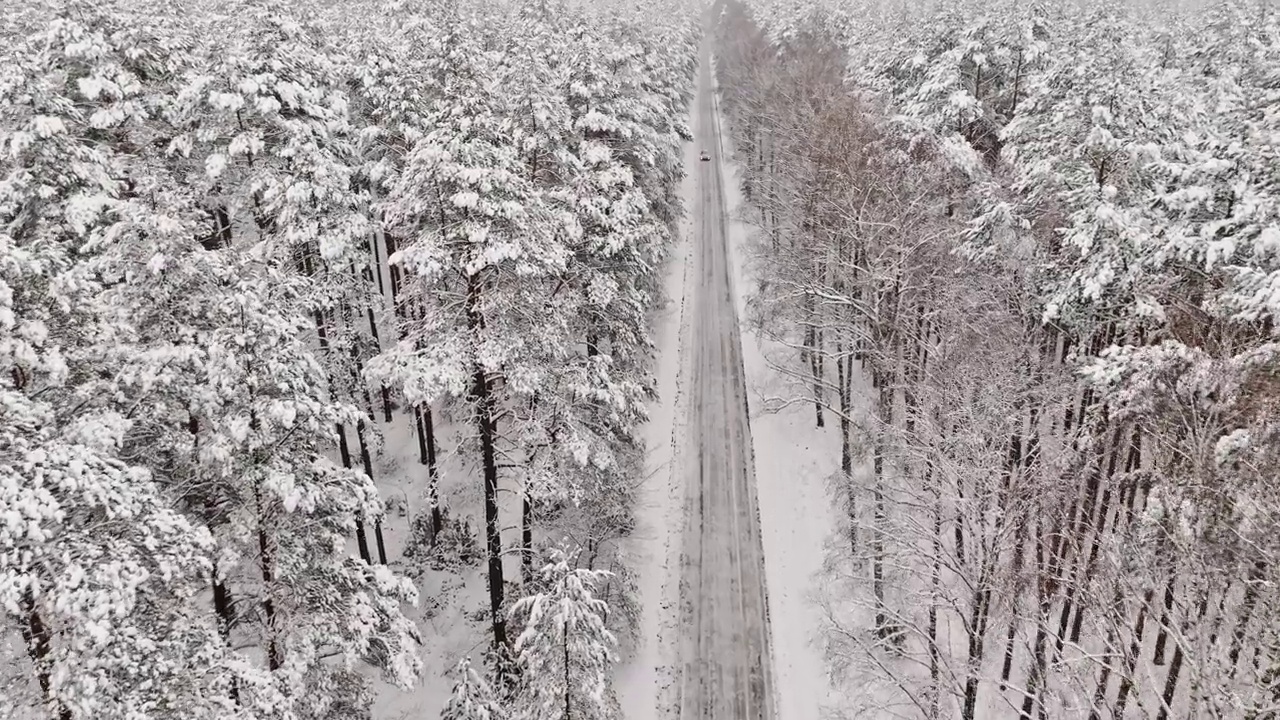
(565, 650)
(472, 698)
(97, 570)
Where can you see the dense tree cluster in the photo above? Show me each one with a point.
(235, 239)
(1045, 234)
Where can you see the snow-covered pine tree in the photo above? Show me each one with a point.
(98, 572)
(472, 698)
(481, 248)
(565, 650)
(244, 412)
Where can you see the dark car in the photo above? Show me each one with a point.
(704, 156)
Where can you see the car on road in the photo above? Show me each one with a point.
(704, 156)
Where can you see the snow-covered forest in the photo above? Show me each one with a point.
(381, 359)
(1025, 257)
(324, 329)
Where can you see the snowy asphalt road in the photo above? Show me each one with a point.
(724, 636)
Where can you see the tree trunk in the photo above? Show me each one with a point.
(221, 235)
(1099, 527)
(977, 632)
(1170, 683)
(226, 617)
(1104, 676)
(1162, 635)
(935, 581)
(1175, 665)
(377, 344)
(266, 563)
(881, 513)
(38, 639)
(394, 272)
(1044, 593)
(361, 538)
(811, 355)
(377, 261)
(222, 604)
(486, 424)
(526, 539)
(345, 450)
(1257, 572)
(844, 372)
(425, 423)
(959, 524)
(567, 681)
(1131, 657)
(366, 459)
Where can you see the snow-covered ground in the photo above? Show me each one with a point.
(653, 550)
(452, 614)
(794, 462)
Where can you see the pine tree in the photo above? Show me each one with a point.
(98, 570)
(472, 698)
(481, 245)
(564, 650)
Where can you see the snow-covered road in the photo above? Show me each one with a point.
(723, 630)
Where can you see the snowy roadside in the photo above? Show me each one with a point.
(645, 680)
(794, 462)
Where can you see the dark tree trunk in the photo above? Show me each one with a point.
(1175, 665)
(221, 235)
(959, 525)
(266, 563)
(226, 618)
(881, 513)
(374, 336)
(1257, 572)
(425, 422)
(935, 581)
(376, 271)
(844, 371)
(366, 460)
(377, 344)
(343, 448)
(811, 354)
(1044, 597)
(1108, 657)
(1162, 635)
(1099, 525)
(819, 369)
(482, 395)
(1170, 684)
(1131, 657)
(394, 272)
(977, 632)
(567, 680)
(222, 604)
(526, 539)
(38, 639)
(362, 538)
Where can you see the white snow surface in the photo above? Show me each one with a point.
(452, 610)
(653, 549)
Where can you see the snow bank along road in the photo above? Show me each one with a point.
(723, 629)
